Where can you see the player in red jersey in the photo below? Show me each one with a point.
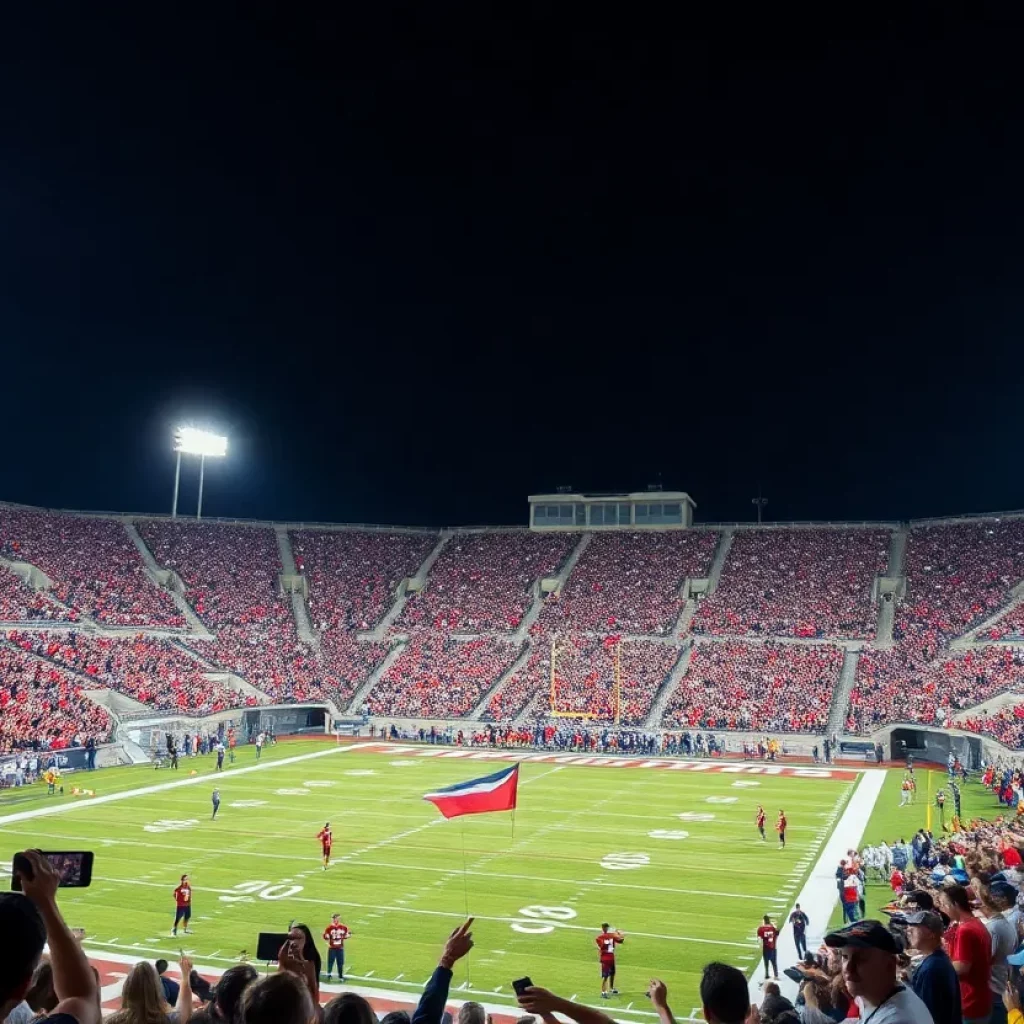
(760, 821)
(326, 839)
(769, 936)
(780, 827)
(183, 905)
(335, 935)
(606, 943)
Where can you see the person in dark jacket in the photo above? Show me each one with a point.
(935, 981)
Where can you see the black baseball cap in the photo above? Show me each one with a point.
(920, 899)
(863, 935)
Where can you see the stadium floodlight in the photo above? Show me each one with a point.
(192, 441)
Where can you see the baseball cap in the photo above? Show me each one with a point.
(1016, 959)
(1003, 891)
(920, 899)
(863, 935)
(926, 918)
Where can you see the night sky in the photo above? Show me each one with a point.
(419, 266)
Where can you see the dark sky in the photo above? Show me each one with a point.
(418, 266)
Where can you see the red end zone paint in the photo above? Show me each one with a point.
(600, 761)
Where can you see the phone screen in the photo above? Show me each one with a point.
(520, 985)
(73, 868)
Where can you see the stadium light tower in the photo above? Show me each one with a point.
(760, 501)
(190, 441)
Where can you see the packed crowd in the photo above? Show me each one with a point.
(800, 583)
(1006, 725)
(1010, 625)
(630, 582)
(43, 706)
(485, 581)
(585, 683)
(93, 564)
(898, 685)
(151, 670)
(437, 676)
(797, 583)
(19, 602)
(232, 580)
(354, 575)
(956, 577)
(765, 687)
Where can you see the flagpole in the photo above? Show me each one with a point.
(465, 890)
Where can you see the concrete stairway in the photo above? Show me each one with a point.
(897, 551)
(841, 695)
(682, 626)
(886, 619)
(303, 626)
(537, 605)
(477, 713)
(668, 688)
(167, 580)
(379, 632)
(721, 554)
(208, 665)
(524, 716)
(284, 549)
(355, 705)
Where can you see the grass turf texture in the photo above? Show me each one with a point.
(397, 873)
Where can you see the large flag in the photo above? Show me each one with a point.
(495, 792)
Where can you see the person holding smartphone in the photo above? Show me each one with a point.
(29, 920)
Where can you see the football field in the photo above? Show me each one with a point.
(668, 855)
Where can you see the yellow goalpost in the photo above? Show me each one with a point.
(564, 664)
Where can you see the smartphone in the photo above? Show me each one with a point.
(520, 985)
(73, 868)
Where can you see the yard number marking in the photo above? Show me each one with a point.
(170, 825)
(245, 891)
(625, 861)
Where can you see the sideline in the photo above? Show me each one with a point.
(819, 895)
(162, 787)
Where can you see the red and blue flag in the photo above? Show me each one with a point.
(495, 792)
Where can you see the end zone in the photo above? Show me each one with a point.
(612, 761)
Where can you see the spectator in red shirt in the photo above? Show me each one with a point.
(970, 949)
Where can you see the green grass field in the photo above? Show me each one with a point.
(591, 844)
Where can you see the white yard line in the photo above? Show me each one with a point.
(197, 780)
(819, 894)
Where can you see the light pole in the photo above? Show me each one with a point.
(190, 441)
(760, 502)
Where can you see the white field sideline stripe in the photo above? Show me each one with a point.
(819, 891)
(436, 913)
(198, 780)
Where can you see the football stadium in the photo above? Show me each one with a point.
(612, 716)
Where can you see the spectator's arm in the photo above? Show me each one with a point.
(73, 980)
(184, 1003)
(545, 1003)
(658, 992)
(435, 994)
